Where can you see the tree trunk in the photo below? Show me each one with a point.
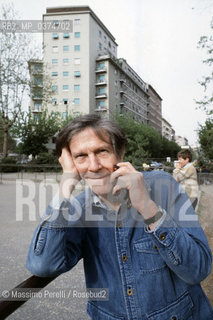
(5, 144)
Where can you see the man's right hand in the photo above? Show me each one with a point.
(70, 175)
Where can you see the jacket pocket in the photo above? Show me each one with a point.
(181, 309)
(97, 313)
(40, 240)
(148, 256)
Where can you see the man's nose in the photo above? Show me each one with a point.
(94, 163)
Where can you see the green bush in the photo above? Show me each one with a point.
(44, 162)
(9, 164)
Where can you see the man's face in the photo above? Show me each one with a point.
(94, 159)
(183, 162)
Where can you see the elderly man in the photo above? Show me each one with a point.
(137, 233)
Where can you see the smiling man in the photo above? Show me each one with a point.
(145, 245)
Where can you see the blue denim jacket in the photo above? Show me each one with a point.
(149, 275)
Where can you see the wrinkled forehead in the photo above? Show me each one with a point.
(88, 132)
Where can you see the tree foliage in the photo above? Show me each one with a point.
(144, 142)
(206, 43)
(206, 138)
(35, 133)
(15, 52)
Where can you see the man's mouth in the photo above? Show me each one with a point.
(96, 180)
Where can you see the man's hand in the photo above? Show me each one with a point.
(127, 177)
(70, 175)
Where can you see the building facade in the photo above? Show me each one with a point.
(154, 109)
(87, 76)
(167, 130)
(181, 141)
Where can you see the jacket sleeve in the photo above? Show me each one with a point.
(56, 245)
(180, 239)
(183, 173)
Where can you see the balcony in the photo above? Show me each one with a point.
(101, 69)
(101, 82)
(122, 80)
(101, 109)
(101, 96)
(36, 110)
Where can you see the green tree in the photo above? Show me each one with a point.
(206, 104)
(206, 138)
(35, 133)
(15, 51)
(169, 148)
(144, 141)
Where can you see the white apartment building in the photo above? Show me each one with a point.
(71, 56)
(86, 75)
(167, 130)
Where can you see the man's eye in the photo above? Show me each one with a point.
(103, 151)
(80, 156)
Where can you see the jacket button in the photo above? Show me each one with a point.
(124, 257)
(155, 247)
(162, 236)
(129, 292)
(174, 318)
(119, 224)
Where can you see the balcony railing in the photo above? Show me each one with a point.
(101, 96)
(101, 69)
(101, 108)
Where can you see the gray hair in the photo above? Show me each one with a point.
(101, 127)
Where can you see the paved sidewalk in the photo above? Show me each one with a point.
(15, 237)
(205, 212)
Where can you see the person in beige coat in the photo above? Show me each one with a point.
(186, 174)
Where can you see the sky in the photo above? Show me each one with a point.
(158, 38)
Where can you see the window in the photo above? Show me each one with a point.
(101, 90)
(66, 48)
(101, 65)
(77, 61)
(76, 87)
(38, 81)
(65, 87)
(54, 61)
(65, 101)
(76, 101)
(37, 67)
(76, 22)
(66, 35)
(64, 115)
(55, 23)
(100, 33)
(100, 45)
(65, 61)
(77, 34)
(101, 78)
(54, 74)
(55, 36)
(54, 101)
(65, 73)
(109, 44)
(37, 106)
(105, 39)
(55, 49)
(36, 117)
(54, 88)
(77, 74)
(77, 48)
(101, 103)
